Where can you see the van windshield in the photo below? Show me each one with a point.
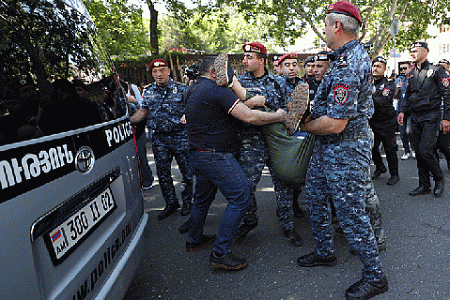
(55, 76)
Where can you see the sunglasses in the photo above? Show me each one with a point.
(403, 68)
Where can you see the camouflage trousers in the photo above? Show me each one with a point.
(253, 156)
(373, 209)
(340, 171)
(165, 149)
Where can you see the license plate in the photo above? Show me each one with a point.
(70, 232)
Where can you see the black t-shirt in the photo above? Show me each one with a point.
(209, 122)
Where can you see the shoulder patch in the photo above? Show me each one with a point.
(386, 92)
(341, 61)
(341, 93)
(445, 81)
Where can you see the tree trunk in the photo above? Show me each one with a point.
(153, 28)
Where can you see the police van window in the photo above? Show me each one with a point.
(54, 74)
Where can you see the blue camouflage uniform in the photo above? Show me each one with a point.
(165, 107)
(340, 162)
(254, 154)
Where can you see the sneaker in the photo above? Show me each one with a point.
(224, 72)
(297, 107)
(227, 261)
(364, 289)
(313, 260)
(204, 240)
(147, 185)
(406, 155)
(294, 237)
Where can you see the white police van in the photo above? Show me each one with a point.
(71, 208)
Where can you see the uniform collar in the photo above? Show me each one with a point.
(170, 85)
(346, 47)
(296, 81)
(423, 65)
(266, 72)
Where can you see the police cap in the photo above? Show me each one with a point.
(322, 56)
(309, 59)
(419, 44)
(379, 59)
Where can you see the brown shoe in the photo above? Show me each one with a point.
(224, 72)
(297, 107)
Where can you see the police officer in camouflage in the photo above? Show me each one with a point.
(163, 105)
(342, 154)
(428, 89)
(254, 154)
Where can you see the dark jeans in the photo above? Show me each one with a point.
(215, 170)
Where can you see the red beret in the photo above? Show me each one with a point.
(345, 8)
(254, 47)
(287, 56)
(158, 63)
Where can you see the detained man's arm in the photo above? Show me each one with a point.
(138, 116)
(324, 125)
(256, 117)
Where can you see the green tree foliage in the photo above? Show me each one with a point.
(290, 18)
(209, 29)
(120, 26)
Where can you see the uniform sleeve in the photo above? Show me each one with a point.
(404, 103)
(147, 95)
(342, 97)
(444, 88)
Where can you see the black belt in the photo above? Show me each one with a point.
(205, 150)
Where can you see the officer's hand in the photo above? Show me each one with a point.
(257, 100)
(445, 124)
(400, 119)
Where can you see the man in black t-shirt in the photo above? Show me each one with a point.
(212, 113)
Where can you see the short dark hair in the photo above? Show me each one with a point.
(206, 64)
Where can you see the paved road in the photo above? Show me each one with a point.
(417, 259)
